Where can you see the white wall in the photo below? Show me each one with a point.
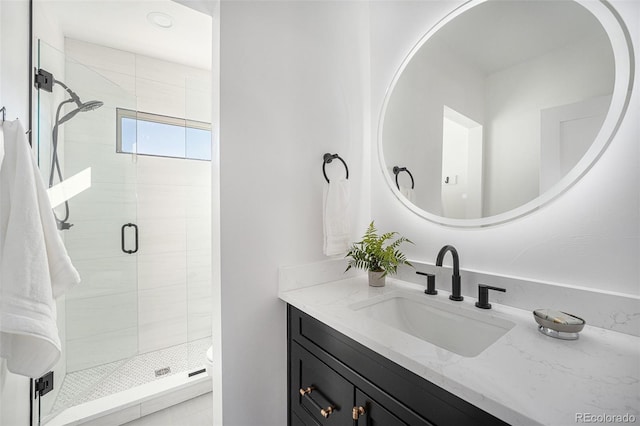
(293, 86)
(588, 237)
(14, 59)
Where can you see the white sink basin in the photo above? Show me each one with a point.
(464, 330)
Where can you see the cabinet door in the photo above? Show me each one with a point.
(297, 421)
(374, 413)
(330, 399)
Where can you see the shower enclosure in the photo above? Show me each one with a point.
(135, 222)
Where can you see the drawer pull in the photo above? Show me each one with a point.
(357, 412)
(324, 412)
(305, 391)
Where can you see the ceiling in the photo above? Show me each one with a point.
(123, 24)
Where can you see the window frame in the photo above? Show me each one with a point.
(122, 113)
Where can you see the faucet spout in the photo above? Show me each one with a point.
(455, 278)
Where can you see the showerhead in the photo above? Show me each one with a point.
(82, 107)
(90, 106)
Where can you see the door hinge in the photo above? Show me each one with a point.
(43, 80)
(44, 384)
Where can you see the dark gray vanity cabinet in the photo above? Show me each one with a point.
(334, 380)
(315, 387)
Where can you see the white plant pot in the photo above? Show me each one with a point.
(376, 279)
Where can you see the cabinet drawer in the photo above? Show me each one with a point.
(328, 399)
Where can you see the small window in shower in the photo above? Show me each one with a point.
(144, 133)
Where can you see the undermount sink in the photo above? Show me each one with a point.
(458, 329)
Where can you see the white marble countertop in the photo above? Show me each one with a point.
(524, 378)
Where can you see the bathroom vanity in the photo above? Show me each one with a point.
(334, 380)
(353, 364)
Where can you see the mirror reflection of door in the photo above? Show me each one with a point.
(566, 133)
(461, 166)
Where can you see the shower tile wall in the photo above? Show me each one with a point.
(162, 296)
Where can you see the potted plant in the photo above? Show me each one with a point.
(372, 255)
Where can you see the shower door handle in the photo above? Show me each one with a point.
(135, 229)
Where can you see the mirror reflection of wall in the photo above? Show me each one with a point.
(501, 65)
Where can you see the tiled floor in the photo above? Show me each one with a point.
(93, 383)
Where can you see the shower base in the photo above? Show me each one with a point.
(124, 384)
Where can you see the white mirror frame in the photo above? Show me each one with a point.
(625, 71)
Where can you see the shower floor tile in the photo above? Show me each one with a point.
(93, 383)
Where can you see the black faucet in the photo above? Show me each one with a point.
(455, 278)
(431, 283)
(483, 295)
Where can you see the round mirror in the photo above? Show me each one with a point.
(502, 106)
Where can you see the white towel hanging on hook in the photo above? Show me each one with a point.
(34, 266)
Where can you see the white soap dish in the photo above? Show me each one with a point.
(560, 325)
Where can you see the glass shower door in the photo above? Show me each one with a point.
(198, 221)
(98, 319)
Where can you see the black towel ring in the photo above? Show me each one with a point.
(397, 170)
(328, 158)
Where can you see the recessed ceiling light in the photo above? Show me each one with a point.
(160, 19)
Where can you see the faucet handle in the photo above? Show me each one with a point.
(483, 295)
(431, 282)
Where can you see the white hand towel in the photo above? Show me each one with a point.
(337, 236)
(408, 193)
(34, 265)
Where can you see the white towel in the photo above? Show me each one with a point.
(34, 265)
(408, 193)
(337, 236)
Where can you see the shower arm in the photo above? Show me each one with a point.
(54, 143)
(55, 163)
(55, 166)
(71, 93)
